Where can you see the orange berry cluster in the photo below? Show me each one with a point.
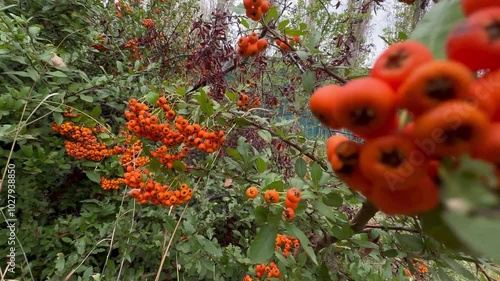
(130, 156)
(133, 45)
(251, 45)
(293, 198)
(148, 23)
(107, 184)
(256, 8)
(160, 194)
(246, 103)
(286, 244)
(83, 144)
(143, 123)
(420, 266)
(268, 271)
(396, 168)
(284, 46)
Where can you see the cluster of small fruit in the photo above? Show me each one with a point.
(286, 243)
(245, 103)
(251, 45)
(256, 8)
(265, 271)
(451, 112)
(292, 200)
(82, 143)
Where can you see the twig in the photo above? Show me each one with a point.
(297, 147)
(358, 223)
(396, 228)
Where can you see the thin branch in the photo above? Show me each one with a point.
(395, 228)
(358, 223)
(297, 147)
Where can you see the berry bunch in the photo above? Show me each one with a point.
(292, 200)
(452, 113)
(286, 244)
(268, 271)
(148, 23)
(284, 46)
(475, 41)
(111, 183)
(251, 45)
(143, 123)
(160, 194)
(256, 8)
(245, 103)
(82, 143)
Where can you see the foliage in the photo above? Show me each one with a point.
(82, 61)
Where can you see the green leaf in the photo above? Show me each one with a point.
(34, 31)
(57, 73)
(316, 172)
(304, 241)
(308, 81)
(262, 247)
(410, 242)
(27, 150)
(433, 29)
(260, 165)
(333, 200)
(244, 22)
(179, 166)
(324, 210)
(58, 118)
(265, 135)
(458, 268)
(205, 103)
(93, 176)
(392, 253)
(480, 234)
(364, 244)
(300, 167)
(443, 275)
(209, 246)
(302, 55)
(277, 185)
(60, 262)
(152, 97)
(86, 98)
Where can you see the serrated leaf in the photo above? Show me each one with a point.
(440, 19)
(265, 135)
(304, 241)
(300, 167)
(262, 247)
